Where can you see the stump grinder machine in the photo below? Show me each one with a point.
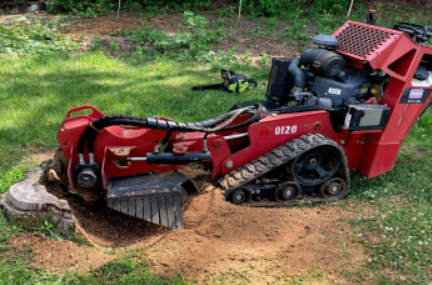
(339, 108)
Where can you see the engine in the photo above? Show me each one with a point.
(319, 76)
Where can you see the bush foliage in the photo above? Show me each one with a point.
(274, 8)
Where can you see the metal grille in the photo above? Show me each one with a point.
(361, 41)
(278, 83)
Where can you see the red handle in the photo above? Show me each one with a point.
(95, 112)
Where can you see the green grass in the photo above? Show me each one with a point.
(132, 268)
(37, 91)
(397, 237)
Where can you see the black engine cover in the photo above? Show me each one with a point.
(340, 91)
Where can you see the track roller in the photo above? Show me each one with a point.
(333, 189)
(287, 192)
(241, 195)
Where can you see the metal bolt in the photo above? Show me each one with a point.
(312, 161)
(334, 189)
(342, 142)
(229, 164)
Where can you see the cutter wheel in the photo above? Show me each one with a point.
(156, 198)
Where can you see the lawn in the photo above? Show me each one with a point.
(37, 90)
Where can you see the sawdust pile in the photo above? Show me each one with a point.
(264, 244)
(222, 239)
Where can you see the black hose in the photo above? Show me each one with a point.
(298, 75)
(208, 126)
(90, 133)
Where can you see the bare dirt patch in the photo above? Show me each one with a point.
(238, 33)
(59, 256)
(102, 26)
(259, 245)
(241, 36)
(222, 239)
(37, 155)
(264, 244)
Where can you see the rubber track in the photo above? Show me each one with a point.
(278, 157)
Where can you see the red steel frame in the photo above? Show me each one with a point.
(380, 150)
(369, 153)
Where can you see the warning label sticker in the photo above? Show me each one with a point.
(334, 91)
(415, 95)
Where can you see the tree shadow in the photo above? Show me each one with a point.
(38, 93)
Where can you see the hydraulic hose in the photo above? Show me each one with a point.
(257, 114)
(208, 126)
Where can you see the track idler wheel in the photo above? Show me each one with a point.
(241, 195)
(287, 192)
(333, 189)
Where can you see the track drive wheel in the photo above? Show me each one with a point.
(334, 189)
(287, 192)
(316, 166)
(241, 195)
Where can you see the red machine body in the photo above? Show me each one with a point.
(118, 148)
(398, 55)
